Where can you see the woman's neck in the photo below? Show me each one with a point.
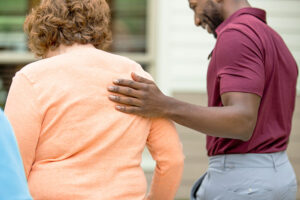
(66, 49)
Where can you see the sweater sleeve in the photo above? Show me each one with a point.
(22, 111)
(166, 149)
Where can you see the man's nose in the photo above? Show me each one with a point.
(197, 20)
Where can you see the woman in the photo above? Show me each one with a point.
(74, 144)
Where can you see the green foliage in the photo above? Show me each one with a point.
(12, 15)
(13, 6)
(132, 5)
(132, 15)
(11, 23)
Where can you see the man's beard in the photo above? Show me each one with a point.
(212, 16)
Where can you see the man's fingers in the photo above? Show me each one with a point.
(140, 78)
(125, 100)
(128, 109)
(129, 83)
(127, 91)
(138, 82)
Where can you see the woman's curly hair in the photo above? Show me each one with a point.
(56, 22)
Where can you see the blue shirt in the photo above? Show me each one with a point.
(13, 184)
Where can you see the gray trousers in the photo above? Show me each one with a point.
(247, 176)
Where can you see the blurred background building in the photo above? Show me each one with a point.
(161, 36)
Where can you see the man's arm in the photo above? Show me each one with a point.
(236, 119)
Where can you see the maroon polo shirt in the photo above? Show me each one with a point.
(251, 57)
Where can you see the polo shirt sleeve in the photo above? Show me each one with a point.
(240, 66)
(23, 112)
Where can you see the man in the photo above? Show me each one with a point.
(251, 86)
(13, 184)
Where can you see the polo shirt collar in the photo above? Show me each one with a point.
(256, 12)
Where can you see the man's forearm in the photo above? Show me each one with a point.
(226, 122)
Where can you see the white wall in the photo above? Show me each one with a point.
(183, 48)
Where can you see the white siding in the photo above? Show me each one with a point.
(183, 48)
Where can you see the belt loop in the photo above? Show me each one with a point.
(274, 163)
(224, 161)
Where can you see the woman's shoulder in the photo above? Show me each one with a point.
(128, 64)
(34, 69)
(119, 58)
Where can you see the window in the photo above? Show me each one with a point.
(12, 15)
(129, 25)
(133, 31)
(12, 39)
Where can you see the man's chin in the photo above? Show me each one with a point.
(209, 31)
(212, 31)
(215, 34)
